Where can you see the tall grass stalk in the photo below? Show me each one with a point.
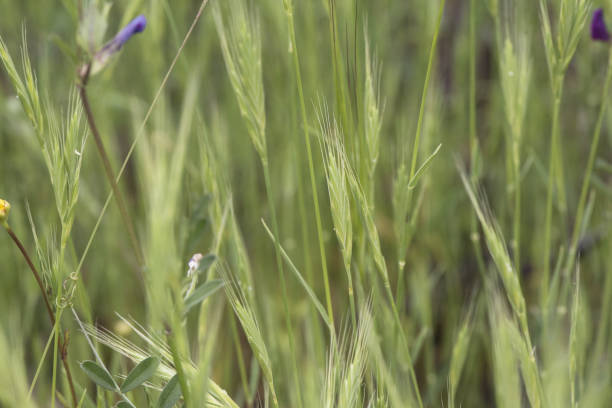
(475, 159)
(381, 266)
(178, 364)
(288, 5)
(279, 264)
(338, 69)
(559, 51)
(574, 364)
(515, 73)
(586, 180)
(241, 46)
(406, 179)
(428, 72)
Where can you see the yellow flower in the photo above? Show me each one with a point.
(5, 207)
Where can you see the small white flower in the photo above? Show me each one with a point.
(194, 264)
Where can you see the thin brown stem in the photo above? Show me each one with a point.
(64, 345)
(34, 271)
(110, 174)
(64, 356)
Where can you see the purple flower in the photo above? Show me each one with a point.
(137, 25)
(102, 57)
(599, 31)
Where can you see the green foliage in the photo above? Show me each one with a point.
(170, 394)
(460, 251)
(241, 46)
(246, 316)
(139, 374)
(98, 375)
(202, 292)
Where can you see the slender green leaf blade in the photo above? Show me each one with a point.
(98, 375)
(202, 292)
(141, 373)
(170, 394)
(424, 166)
(301, 279)
(206, 262)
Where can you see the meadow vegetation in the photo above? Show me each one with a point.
(322, 203)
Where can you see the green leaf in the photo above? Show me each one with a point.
(65, 49)
(123, 404)
(170, 394)
(198, 221)
(141, 373)
(206, 262)
(202, 292)
(419, 172)
(98, 375)
(92, 27)
(300, 278)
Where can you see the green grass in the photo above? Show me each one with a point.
(398, 204)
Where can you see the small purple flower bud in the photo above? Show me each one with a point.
(102, 57)
(137, 25)
(599, 31)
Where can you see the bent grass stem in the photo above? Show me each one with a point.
(38, 279)
(313, 183)
(281, 274)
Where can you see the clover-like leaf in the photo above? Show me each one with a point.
(170, 394)
(98, 375)
(202, 292)
(139, 374)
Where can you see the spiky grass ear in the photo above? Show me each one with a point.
(26, 88)
(246, 315)
(372, 110)
(156, 346)
(507, 377)
(351, 384)
(14, 382)
(336, 165)
(346, 364)
(459, 354)
(497, 248)
(240, 39)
